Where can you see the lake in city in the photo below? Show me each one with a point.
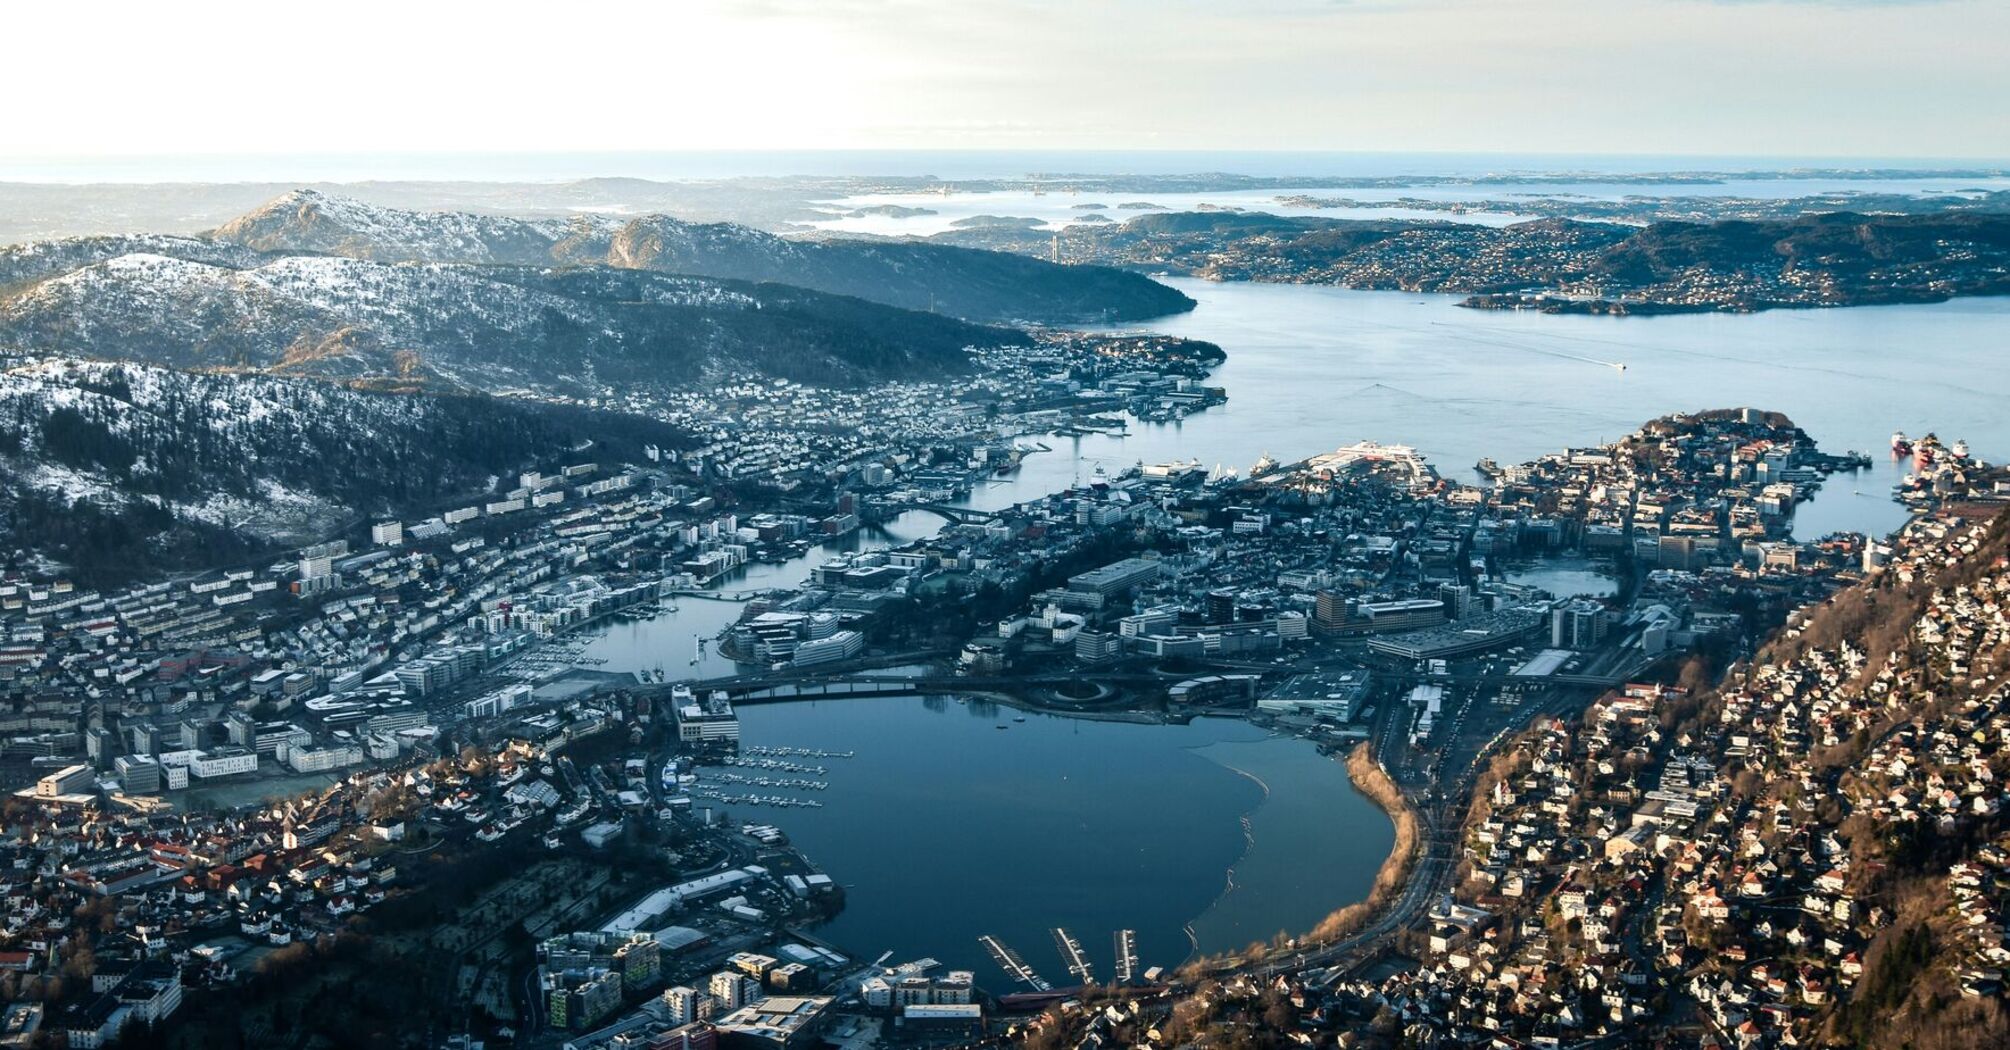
(945, 827)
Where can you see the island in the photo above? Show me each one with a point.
(1565, 265)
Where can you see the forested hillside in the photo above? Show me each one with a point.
(120, 470)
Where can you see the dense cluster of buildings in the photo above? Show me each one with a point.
(341, 657)
(927, 436)
(176, 900)
(759, 1001)
(625, 985)
(1369, 543)
(1825, 828)
(1609, 863)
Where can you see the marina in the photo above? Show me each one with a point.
(1071, 953)
(1127, 955)
(1014, 966)
(774, 801)
(799, 784)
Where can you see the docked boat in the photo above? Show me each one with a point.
(1925, 451)
(1173, 471)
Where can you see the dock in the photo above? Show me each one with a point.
(1071, 952)
(1127, 956)
(1013, 965)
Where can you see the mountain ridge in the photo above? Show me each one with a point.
(562, 332)
(970, 283)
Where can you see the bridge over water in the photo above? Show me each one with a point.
(809, 685)
(954, 514)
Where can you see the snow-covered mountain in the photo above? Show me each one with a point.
(914, 275)
(112, 468)
(23, 264)
(962, 282)
(570, 331)
(309, 221)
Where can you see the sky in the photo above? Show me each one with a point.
(1814, 78)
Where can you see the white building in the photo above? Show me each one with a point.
(710, 720)
(842, 645)
(322, 759)
(223, 762)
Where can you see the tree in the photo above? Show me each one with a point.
(79, 960)
(1278, 1013)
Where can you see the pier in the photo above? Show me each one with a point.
(1071, 951)
(1127, 956)
(1013, 965)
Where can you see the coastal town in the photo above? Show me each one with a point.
(1017, 525)
(221, 780)
(1560, 263)
(788, 435)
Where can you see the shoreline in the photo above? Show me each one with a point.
(1374, 784)
(1392, 876)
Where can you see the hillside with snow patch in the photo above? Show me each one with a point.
(114, 470)
(575, 332)
(961, 282)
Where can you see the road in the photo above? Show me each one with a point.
(1438, 785)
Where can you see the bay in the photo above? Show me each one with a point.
(1311, 368)
(944, 827)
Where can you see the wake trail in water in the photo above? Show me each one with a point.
(1760, 362)
(1526, 348)
(1378, 387)
(1703, 355)
(1707, 356)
